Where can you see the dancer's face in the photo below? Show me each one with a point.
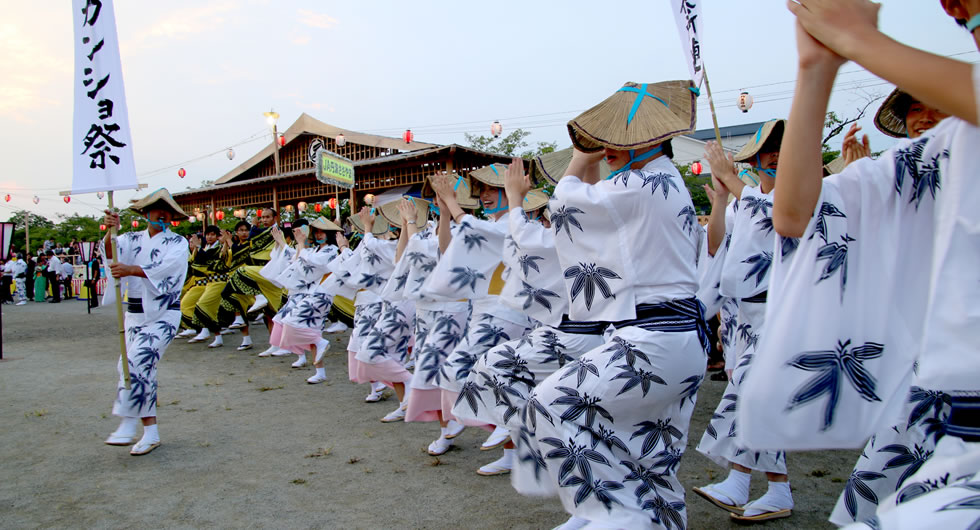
(921, 117)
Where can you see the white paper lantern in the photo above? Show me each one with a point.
(340, 140)
(230, 154)
(496, 128)
(744, 101)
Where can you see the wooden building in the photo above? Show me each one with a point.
(380, 163)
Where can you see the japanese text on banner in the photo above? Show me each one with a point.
(102, 158)
(687, 13)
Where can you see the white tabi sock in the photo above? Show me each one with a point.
(735, 488)
(300, 358)
(247, 340)
(377, 386)
(778, 497)
(128, 427)
(150, 433)
(321, 372)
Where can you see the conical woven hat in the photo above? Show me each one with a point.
(322, 223)
(390, 212)
(492, 175)
(637, 116)
(550, 167)
(535, 200)
(890, 118)
(771, 128)
(160, 198)
(379, 228)
(835, 166)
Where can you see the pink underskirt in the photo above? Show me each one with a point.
(448, 400)
(424, 405)
(352, 366)
(387, 372)
(296, 340)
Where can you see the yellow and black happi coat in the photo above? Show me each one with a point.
(247, 281)
(206, 309)
(199, 269)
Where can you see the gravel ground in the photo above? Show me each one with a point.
(246, 443)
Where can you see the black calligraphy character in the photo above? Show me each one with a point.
(105, 109)
(102, 140)
(95, 48)
(696, 54)
(98, 86)
(91, 12)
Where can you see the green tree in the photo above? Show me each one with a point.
(513, 144)
(695, 187)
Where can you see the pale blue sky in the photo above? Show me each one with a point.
(199, 74)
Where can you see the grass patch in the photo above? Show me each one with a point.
(320, 452)
(37, 413)
(353, 460)
(268, 388)
(299, 481)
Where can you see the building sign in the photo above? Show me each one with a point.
(332, 168)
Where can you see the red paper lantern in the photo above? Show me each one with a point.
(102, 227)
(258, 213)
(7, 197)
(282, 140)
(332, 203)
(175, 224)
(67, 199)
(181, 173)
(697, 168)
(408, 136)
(219, 215)
(317, 207)
(496, 128)
(136, 224)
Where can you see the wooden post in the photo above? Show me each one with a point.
(27, 234)
(113, 233)
(275, 198)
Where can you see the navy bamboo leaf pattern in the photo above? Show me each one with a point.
(580, 404)
(551, 345)
(656, 432)
(604, 436)
(581, 368)
(622, 348)
(636, 377)
(857, 486)
(466, 276)
(147, 358)
(833, 368)
(690, 392)
(536, 296)
(927, 179)
(599, 488)
(690, 219)
(564, 217)
(827, 209)
(836, 256)
(573, 456)
(529, 262)
(787, 246)
(168, 330)
(370, 280)
(760, 265)
(765, 225)
(749, 338)
(537, 460)
(664, 181)
(668, 459)
(917, 489)
(371, 258)
(756, 205)
(400, 281)
(471, 394)
(473, 240)
(416, 258)
(501, 391)
(588, 277)
(531, 411)
(910, 459)
(491, 335)
(649, 479)
(907, 162)
(924, 401)
(666, 514)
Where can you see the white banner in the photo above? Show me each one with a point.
(687, 13)
(103, 149)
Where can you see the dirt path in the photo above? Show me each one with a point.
(247, 443)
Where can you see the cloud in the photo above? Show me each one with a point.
(316, 20)
(300, 40)
(33, 73)
(179, 24)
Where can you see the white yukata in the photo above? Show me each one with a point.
(888, 266)
(439, 326)
(307, 306)
(607, 432)
(505, 375)
(471, 268)
(384, 345)
(745, 258)
(19, 272)
(153, 313)
(709, 290)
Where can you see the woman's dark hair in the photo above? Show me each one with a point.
(240, 224)
(667, 149)
(300, 222)
(902, 104)
(212, 229)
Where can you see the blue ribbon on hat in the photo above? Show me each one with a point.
(633, 158)
(459, 180)
(973, 23)
(640, 92)
(494, 168)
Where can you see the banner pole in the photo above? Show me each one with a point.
(124, 358)
(711, 103)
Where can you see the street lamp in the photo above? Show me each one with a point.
(87, 249)
(272, 118)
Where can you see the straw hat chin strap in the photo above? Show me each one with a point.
(973, 23)
(159, 224)
(499, 207)
(633, 158)
(760, 169)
